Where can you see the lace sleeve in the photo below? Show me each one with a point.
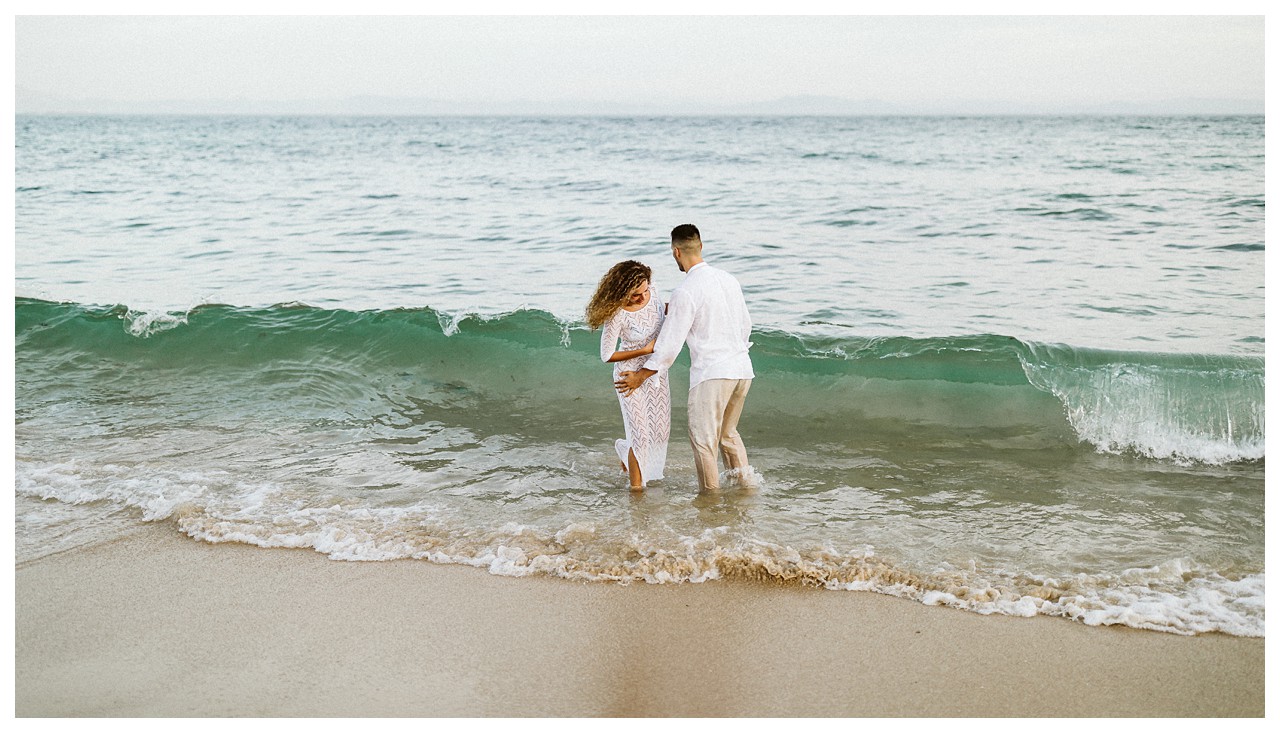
(609, 338)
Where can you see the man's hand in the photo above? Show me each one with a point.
(629, 382)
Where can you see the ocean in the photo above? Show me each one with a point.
(1011, 365)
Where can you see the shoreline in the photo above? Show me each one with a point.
(158, 624)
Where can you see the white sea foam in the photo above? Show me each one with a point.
(1205, 603)
(1179, 597)
(747, 477)
(148, 322)
(48, 527)
(1144, 598)
(1160, 412)
(157, 496)
(451, 323)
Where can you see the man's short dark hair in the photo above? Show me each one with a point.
(686, 233)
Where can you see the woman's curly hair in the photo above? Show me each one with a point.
(615, 286)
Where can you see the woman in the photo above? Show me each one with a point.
(625, 306)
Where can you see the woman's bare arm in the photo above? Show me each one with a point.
(632, 354)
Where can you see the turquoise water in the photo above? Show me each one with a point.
(1009, 365)
(1124, 233)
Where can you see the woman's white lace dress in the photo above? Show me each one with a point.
(646, 413)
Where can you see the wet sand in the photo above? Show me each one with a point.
(157, 624)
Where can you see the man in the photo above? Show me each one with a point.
(709, 312)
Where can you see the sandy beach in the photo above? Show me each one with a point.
(157, 624)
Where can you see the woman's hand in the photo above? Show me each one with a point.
(648, 348)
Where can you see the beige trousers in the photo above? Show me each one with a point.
(714, 408)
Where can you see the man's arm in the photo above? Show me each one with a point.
(629, 382)
(675, 328)
(745, 316)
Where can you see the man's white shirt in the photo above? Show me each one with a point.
(708, 311)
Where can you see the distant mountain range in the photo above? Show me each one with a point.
(33, 102)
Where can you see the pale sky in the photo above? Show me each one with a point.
(1049, 60)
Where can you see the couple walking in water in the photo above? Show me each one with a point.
(642, 338)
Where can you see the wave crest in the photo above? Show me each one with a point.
(1180, 407)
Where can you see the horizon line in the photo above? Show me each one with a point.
(1062, 113)
(35, 102)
